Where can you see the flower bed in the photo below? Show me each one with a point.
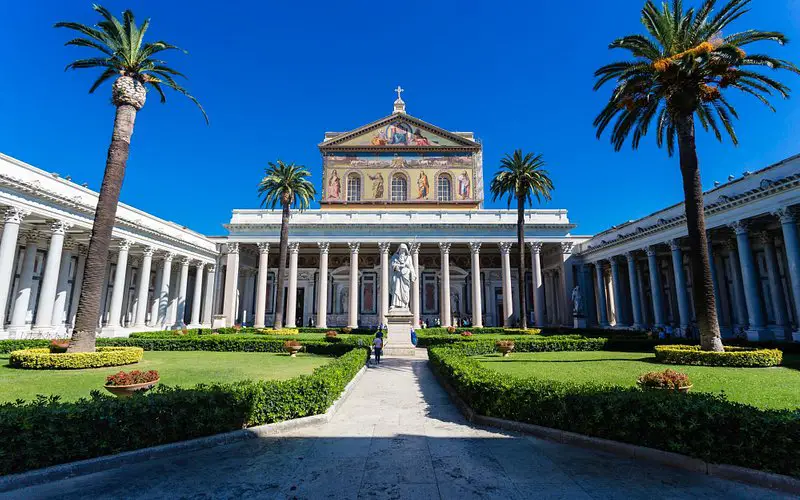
(47, 431)
(668, 379)
(733, 356)
(132, 377)
(43, 359)
(701, 425)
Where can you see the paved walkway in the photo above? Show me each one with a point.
(397, 436)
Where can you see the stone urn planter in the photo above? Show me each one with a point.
(126, 391)
(292, 347)
(505, 347)
(668, 380)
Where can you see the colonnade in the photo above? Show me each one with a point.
(755, 273)
(44, 255)
(232, 288)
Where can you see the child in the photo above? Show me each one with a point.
(377, 344)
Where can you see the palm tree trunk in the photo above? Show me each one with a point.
(523, 293)
(702, 286)
(282, 267)
(88, 314)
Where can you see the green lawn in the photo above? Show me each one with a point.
(763, 387)
(183, 368)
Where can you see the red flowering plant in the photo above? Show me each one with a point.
(330, 333)
(451, 329)
(59, 345)
(668, 379)
(132, 377)
(466, 334)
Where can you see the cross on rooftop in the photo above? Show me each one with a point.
(399, 90)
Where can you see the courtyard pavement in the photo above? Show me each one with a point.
(397, 436)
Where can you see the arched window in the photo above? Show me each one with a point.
(399, 188)
(353, 187)
(444, 188)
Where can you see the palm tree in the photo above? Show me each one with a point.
(286, 185)
(521, 177)
(684, 67)
(127, 58)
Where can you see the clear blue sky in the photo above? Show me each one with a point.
(274, 76)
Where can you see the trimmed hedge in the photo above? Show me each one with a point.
(429, 340)
(43, 359)
(47, 431)
(733, 356)
(486, 344)
(701, 425)
(7, 346)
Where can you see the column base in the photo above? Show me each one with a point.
(756, 334)
(44, 332)
(579, 322)
(795, 335)
(114, 331)
(219, 321)
(18, 332)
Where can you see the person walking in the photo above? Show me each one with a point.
(377, 345)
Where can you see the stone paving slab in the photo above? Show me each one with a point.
(397, 436)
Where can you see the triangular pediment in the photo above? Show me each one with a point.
(399, 131)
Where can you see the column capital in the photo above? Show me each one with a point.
(60, 227)
(739, 227)
(199, 264)
(125, 245)
(612, 261)
(475, 246)
(650, 250)
(674, 245)
(70, 245)
(354, 246)
(168, 256)
(730, 244)
(211, 268)
(566, 247)
(15, 215)
(536, 246)
(414, 246)
(134, 261)
(630, 256)
(787, 215)
(294, 247)
(33, 236)
(148, 251)
(505, 247)
(185, 261)
(232, 247)
(83, 250)
(444, 248)
(383, 246)
(766, 238)
(263, 247)
(324, 247)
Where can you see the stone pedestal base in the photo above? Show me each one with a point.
(578, 322)
(796, 336)
(398, 324)
(759, 334)
(218, 321)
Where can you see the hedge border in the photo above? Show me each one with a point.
(738, 357)
(43, 359)
(47, 431)
(704, 426)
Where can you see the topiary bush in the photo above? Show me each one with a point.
(701, 425)
(733, 356)
(43, 359)
(47, 431)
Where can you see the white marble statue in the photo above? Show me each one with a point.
(577, 301)
(403, 275)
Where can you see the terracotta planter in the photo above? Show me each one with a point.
(126, 391)
(293, 350)
(679, 389)
(505, 350)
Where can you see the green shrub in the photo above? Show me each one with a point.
(733, 356)
(701, 425)
(279, 331)
(43, 359)
(353, 331)
(231, 343)
(7, 346)
(429, 340)
(47, 431)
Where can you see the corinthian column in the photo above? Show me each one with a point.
(508, 307)
(183, 282)
(49, 282)
(477, 306)
(415, 303)
(62, 290)
(445, 309)
(197, 296)
(384, 250)
(322, 286)
(261, 286)
(656, 291)
(163, 294)
(633, 280)
(291, 297)
(232, 284)
(680, 283)
(208, 301)
(118, 292)
(19, 313)
(352, 313)
(791, 243)
(752, 293)
(8, 248)
(143, 287)
(538, 288)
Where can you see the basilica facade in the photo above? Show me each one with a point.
(398, 180)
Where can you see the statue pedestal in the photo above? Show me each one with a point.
(398, 324)
(579, 322)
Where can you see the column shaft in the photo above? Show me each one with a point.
(447, 317)
(208, 301)
(8, 250)
(415, 301)
(636, 306)
(383, 247)
(322, 285)
(775, 286)
(791, 242)
(291, 298)
(680, 284)
(352, 312)
(143, 288)
(118, 290)
(477, 306)
(183, 283)
(49, 281)
(538, 286)
(163, 294)
(601, 294)
(77, 285)
(229, 308)
(197, 296)
(62, 290)
(261, 285)
(750, 280)
(740, 309)
(656, 291)
(617, 284)
(505, 259)
(20, 311)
